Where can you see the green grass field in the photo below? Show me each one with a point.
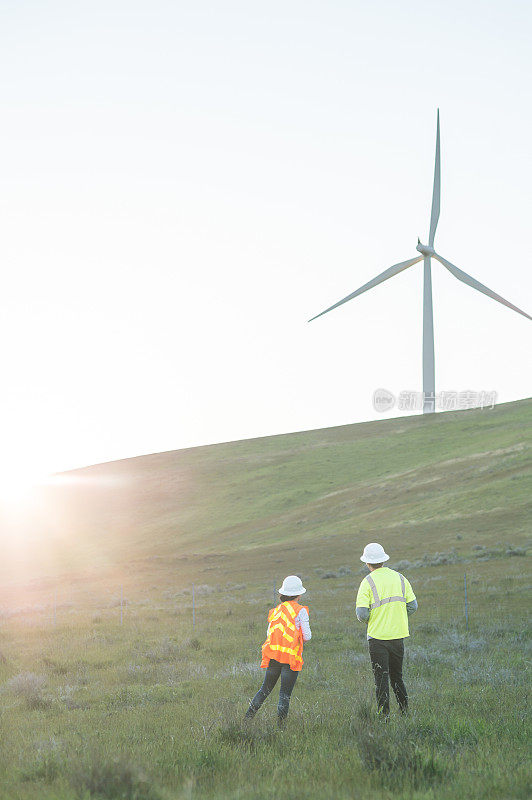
(153, 708)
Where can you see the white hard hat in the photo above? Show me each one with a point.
(374, 554)
(292, 586)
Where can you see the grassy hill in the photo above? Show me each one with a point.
(413, 483)
(152, 708)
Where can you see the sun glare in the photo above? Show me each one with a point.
(18, 485)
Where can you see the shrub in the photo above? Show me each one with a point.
(165, 651)
(340, 572)
(46, 766)
(204, 588)
(55, 666)
(386, 751)
(111, 779)
(344, 570)
(404, 564)
(438, 559)
(516, 551)
(30, 687)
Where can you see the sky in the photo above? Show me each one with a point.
(184, 184)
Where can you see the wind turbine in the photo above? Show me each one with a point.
(427, 252)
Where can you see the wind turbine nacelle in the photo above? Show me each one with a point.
(425, 249)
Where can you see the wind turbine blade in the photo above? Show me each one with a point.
(465, 278)
(435, 212)
(388, 273)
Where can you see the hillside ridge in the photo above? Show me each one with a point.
(417, 484)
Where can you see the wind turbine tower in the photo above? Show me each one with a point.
(427, 253)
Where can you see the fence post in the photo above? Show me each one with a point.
(465, 601)
(193, 608)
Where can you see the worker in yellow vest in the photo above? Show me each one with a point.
(384, 601)
(282, 652)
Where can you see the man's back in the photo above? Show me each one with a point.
(384, 600)
(386, 593)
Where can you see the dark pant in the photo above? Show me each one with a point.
(288, 679)
(387, 660)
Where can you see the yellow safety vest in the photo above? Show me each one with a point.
(386, 592)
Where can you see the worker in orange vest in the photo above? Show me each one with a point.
(282, 652)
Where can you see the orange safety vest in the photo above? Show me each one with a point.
(284, 641)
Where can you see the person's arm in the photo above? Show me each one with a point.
(304, 624)
(268, 628)
(411, 602)
(363, 602)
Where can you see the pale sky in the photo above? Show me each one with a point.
(184, 184)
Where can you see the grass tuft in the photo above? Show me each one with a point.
(398, 760)
(105, 778)
(29, 686)
(248, 735)
(46, 765)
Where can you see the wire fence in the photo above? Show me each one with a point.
(440, 599)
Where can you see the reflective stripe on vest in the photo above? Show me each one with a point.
(377, 601)
(290, 650)
(286, 635)
(278, 613)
